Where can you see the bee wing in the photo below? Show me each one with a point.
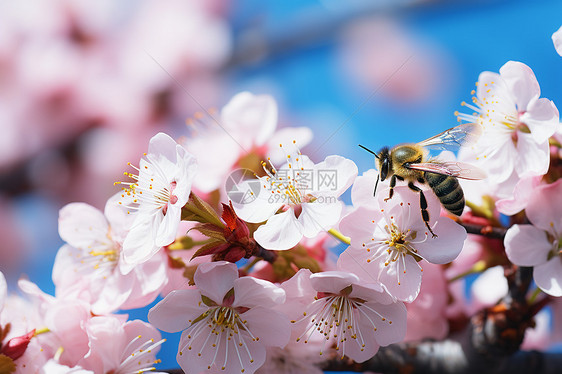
(453, 138)
(452, 169)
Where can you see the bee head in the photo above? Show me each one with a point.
(384, 162)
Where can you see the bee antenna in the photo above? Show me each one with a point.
(368, 150)
(376, 184)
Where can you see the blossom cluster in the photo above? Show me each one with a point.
(250, 282)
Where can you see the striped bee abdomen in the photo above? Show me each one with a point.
(448, 191)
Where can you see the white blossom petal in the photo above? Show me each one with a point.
(320, 216)
(176, 312)
(548, 276)
(522, 82)
(282, 231)
(534, 158)
(542, 118)
(451, 239)
(526, 245)
(557, 40)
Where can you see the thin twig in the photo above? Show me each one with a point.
(487, 231)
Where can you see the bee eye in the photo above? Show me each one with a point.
(384, 169)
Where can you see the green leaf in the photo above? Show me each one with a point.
(211, 231)
(199, 211)
(185, 242)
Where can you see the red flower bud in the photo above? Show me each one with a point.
(15, 347)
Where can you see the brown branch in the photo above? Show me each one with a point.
(449, 357)
(487, 230)
(266, 254)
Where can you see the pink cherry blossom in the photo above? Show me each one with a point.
(246, 125)
(388, 242)
(227, 322)
(306, 193)
(523, 191)
(121, 348)
(516, 124)
(18, 343)
(538, 245)
(158, 193)
(90, 266)
(64, 320)
(557, 39)
(338, 307)
(427, 313)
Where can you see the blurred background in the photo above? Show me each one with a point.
(84, 85)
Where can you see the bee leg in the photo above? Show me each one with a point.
(423, 206)
(392, 185)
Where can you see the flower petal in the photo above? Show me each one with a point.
(82, 225)
(215, 279)
(557, 40)
(282, 231)
(523, 191)
(526, 245)
(542, 118)
(162, 151)
(362, 191)
(299, 286)
(332, 281)
(116, 290)
(548, 276)
(252, 116)
(259, 208)
(448, 244)
(250, 292)
(197, 359)
(393, 329)
(402, 280)
(272, 327)
(361, 352)
(543, 209)
(522, 82)
(319, 216)
(341, 169)
(357, 261)
(533, 158)
(168, 227)
(301, 135)
(217, 154)
(176, 312)
(139, 244)
(360, 225)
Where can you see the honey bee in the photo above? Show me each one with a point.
(410, 162)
